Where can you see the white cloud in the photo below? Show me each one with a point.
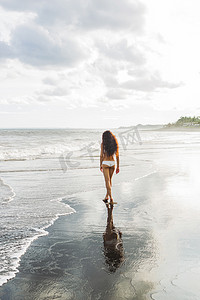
(5, 51)
(34, 45)
(116, 94)
(91, 14)
(121, 51)
(58, 91)
(9, 20)
(149, 84)
(50, 80)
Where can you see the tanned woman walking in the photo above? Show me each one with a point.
(109, 149)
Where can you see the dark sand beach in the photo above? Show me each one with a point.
(147, 247)
(71, 262)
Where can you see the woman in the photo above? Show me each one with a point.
(109, 148)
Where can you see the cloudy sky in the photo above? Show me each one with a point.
(98, 63)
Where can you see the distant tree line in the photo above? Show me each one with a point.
(185, 121)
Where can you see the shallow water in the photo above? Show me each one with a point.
(158, 213)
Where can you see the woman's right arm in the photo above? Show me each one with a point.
(117, 158)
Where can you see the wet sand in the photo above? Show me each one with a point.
(146, 248)
(72, 262)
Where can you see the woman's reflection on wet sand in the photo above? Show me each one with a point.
(113, 247)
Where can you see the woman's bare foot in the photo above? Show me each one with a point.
(106, 199)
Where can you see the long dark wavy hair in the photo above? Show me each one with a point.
(110, 143)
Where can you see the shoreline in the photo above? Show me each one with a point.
(43, 232)
(28, 241)
(67, 230)
(18, 255)
(192, 129)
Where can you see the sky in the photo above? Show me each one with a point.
(98, 63)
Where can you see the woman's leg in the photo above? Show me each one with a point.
(111, 171)
(106, 174)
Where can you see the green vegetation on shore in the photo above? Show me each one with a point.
(185, 122)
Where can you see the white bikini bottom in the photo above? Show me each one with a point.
(109, 163)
